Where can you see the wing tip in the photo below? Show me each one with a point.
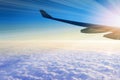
(45, 14)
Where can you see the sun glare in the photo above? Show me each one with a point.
(110, 18)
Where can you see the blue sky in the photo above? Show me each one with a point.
(20, 19)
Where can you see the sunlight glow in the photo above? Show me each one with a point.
(111, 19)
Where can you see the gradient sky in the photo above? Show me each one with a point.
(21, 20)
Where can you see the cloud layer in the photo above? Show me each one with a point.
(58, 64)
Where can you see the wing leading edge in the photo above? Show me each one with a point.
(90, 28)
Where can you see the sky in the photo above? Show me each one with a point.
(21, 20)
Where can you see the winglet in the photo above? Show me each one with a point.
(44, 14)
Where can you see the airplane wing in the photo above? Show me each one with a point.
(90, 28)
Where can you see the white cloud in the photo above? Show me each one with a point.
(43, 64)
